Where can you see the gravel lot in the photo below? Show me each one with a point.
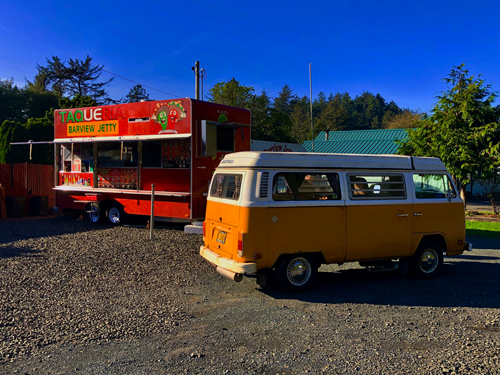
(94, 299)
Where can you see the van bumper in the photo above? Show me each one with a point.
(244, 268)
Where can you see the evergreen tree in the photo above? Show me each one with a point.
(137, 94)
(82, 78)
(231, 93)
(463, 129)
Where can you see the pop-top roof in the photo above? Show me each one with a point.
(328, 161)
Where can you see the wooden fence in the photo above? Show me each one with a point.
(28, 179)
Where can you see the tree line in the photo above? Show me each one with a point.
(462, 129)
(27, 113)
(287, 117)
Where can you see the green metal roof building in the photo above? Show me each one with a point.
(379, 141)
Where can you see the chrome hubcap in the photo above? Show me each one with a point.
(429, 261)
(298, 271)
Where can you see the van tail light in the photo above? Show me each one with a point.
(204, 230)
(240, 244)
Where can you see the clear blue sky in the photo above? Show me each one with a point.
(400, 49)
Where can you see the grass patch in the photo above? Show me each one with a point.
(483, 228)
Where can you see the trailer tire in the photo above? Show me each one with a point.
(115, 214)
(94, 212)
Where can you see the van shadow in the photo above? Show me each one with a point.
(461, 284)
(15, 230)
(484, 241)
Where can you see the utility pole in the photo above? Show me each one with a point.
(311, 105)
(197, 82)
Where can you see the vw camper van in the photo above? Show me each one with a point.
(279, 216)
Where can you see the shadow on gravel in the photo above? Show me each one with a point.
(484, 242)
(16, 230)
(461, 284)
(12, 251)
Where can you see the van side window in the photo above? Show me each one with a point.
(298, 186)
(429, 186)
(386, 186)
(226, 186)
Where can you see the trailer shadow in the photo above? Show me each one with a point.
(465, 283)
(16, 230)
(13, 251)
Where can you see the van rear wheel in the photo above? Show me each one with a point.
(296, 273)
(427, 261)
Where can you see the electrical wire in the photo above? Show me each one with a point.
(149, 87)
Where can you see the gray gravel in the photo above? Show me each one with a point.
(94, 299)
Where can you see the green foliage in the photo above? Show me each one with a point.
(81, 79)
(12, 101)
(407, 119)
(136, 94)
(77, 77)
(78, 101)
(12, 131)
(483, 228)
(287, 117)
(463, 129)
(231, 93)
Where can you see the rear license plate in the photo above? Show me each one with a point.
(221, 237)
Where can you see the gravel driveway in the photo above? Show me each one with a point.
(93, 299)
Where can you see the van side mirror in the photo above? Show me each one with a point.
(448, 194)
(376, 189)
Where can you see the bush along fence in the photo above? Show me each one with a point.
(28, 186)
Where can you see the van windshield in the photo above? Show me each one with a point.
(226, 186)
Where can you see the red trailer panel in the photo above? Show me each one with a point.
(108, 157)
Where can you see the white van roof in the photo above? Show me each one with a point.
(331, 161)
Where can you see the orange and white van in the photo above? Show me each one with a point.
(279, 216)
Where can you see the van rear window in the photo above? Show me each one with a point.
(226, 186)
(296, 186)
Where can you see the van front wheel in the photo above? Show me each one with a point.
(296, 273)
(427, 261)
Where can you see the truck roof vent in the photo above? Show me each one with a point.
(264, 184)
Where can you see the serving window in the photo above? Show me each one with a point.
(77, 157)
(117, 154)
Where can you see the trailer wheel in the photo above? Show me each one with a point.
(427, 261)
(296, 273)
(94, 212)
(115, 214)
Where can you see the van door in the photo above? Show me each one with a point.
(307, 214)
(437, 208)
(379, 216)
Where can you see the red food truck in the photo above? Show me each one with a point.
(108, 157)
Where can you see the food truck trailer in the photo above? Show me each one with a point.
(109, 157)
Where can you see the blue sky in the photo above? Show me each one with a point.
(400, 49)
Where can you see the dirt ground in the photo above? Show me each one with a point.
(77, 298)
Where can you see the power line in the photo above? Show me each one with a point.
(149, 87)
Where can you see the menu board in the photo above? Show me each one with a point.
(117, 178)
(176, 153)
